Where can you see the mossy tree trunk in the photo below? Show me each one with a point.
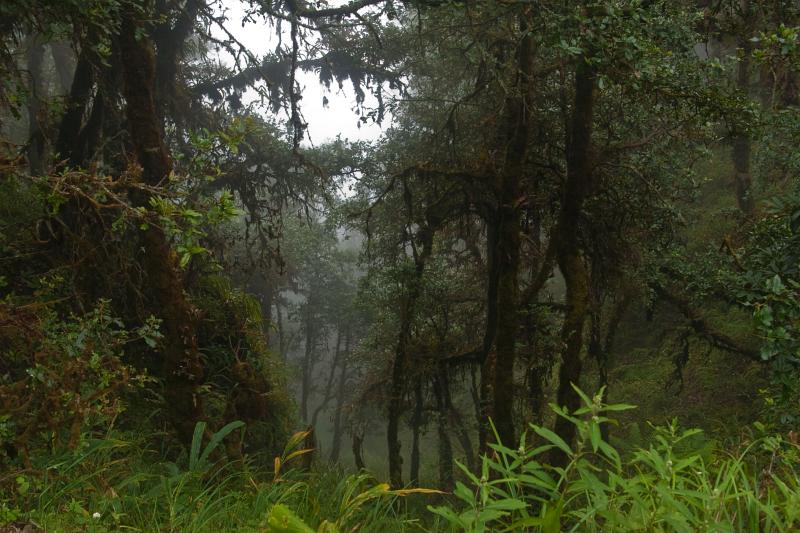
(164, 292)
(571, 260)
(742, 142)
(504, 243)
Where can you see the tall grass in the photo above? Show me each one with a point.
(676, 483)
(115, 485)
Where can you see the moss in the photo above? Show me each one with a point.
(246, 380)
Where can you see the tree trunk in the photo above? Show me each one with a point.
(506, 336)
(486, 389)
(600, 345)
(475, 391)
(577, 280)
(340, 399)
(331, 378)
(267, 300)
(513, 141)
(400, 363)
(36, 147)
(358, 451)
(67, 143)
(440, 386)
(742, 143)
(281, 331)
(182, 365)
(536, 393)
(570, 259)
(416, 428)
(64, 62)
(462, 433)
(308, 364)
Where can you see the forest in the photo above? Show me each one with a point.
(297, 266)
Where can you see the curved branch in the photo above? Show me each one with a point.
(703, 327)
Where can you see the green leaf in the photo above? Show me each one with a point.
(463, 493)
(218, 437)
(197, 441)
(552, 437)
(586, 400)
(610, 453)
(281, 519)
(594, 435)
(619, 407)
(507, 504)
(551, 519)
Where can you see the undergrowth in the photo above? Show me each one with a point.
(675, 483)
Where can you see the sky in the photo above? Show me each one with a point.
(324, 123)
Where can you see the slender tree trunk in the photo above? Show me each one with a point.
(485, 405)
(440, 387)
(462, 433)
(340, 399)
(742, 143)
(400, 363)
(331, 378)
(514, 143)
(267, 301)
(67, 143)
(535, 386)
(307, 367)
(36, 147)
(475, 394)
(600, 345)
(570, 259)
(358, 451)
(182, 365)
(89, 137)
(397, 392)
(416, 428)
(503, 388)
(281, 331)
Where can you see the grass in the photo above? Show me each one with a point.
(674, 481)
(114, 484)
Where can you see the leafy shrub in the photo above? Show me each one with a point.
(60, 378)
(668, 486)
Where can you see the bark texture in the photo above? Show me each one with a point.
(36, 145)
(742, 143)
(503, 244)
(182, 366)
(571, 260)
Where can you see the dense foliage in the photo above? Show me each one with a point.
(203, 310)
